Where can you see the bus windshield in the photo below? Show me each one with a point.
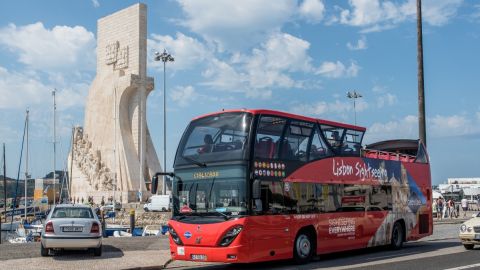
(220, 137)
(214, 197)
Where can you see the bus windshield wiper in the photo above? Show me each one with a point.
(196, 162)
(227, 217)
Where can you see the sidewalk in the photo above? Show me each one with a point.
(461, 218)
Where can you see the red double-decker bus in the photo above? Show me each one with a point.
(259, 185)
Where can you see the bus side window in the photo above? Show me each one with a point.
(318, 148)
(268, 135)
(294, 145)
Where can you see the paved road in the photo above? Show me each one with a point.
(442, 250)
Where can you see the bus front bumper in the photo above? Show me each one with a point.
(234, 254)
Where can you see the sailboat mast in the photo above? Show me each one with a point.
(115, 148)
(26, 167)
(4, 193)
(54, 149)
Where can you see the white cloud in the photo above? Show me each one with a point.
(59, 48)
(405, 128)
(184, 95)
(323, 108)
(312, 10)
(187, 51)
(361, 44)
(267, 66)
(476, 13)
(376, 15)
(454, 125)
(236, 24)
(95, 3)
(22, 90)
(438, 126)
(386, 100)
(439, 12)
(338, 70)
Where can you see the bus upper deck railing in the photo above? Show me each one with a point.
(369, 153)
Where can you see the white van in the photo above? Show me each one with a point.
(158, 203)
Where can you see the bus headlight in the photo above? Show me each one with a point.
(175, 236)
(230, 235)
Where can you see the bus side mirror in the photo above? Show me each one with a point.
(154, 184)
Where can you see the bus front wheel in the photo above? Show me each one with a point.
(303, 248)
(397, 236)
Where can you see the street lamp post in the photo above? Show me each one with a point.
(354, 95)
(164, 57)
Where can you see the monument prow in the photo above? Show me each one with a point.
(109, 152)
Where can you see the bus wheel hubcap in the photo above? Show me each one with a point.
(303, 246)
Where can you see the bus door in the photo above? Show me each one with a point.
(270, 224)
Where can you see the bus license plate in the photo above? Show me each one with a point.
(198, 257)
(72, 229)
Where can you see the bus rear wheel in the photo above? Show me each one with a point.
(397, 236)
(303, 248)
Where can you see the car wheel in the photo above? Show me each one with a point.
(303, 248)
(97, 251)
(397, 236)
(146, 209)
(164, 209)
(44, 251)
(468, 246)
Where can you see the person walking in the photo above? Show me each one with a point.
(464, 203)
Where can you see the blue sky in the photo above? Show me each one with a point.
(295, 56)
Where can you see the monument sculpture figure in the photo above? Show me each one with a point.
(113, 154)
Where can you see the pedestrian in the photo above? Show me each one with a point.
(440, 208)
(435, 207)
(464, 203)
(450, 207)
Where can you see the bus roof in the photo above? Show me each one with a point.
(288, 115)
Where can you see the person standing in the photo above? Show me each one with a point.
(440, 208)
(450, 207)
(464, 203)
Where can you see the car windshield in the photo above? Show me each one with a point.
(216, 197)
(213, 138)
(71, 212)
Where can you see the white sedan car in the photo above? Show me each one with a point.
(70, 226)
(470, 232)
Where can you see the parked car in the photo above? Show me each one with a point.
(110, 207)
(158, 203)
(69, 226)
(470, 232)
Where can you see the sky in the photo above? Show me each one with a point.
(298, 56)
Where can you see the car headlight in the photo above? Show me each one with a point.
(230, 235)
(463, 228)
(469, 229)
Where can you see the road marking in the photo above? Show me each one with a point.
(464, 267)
(400, 258)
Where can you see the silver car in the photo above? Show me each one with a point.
(70, 226)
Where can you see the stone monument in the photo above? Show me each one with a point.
(113, 154)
